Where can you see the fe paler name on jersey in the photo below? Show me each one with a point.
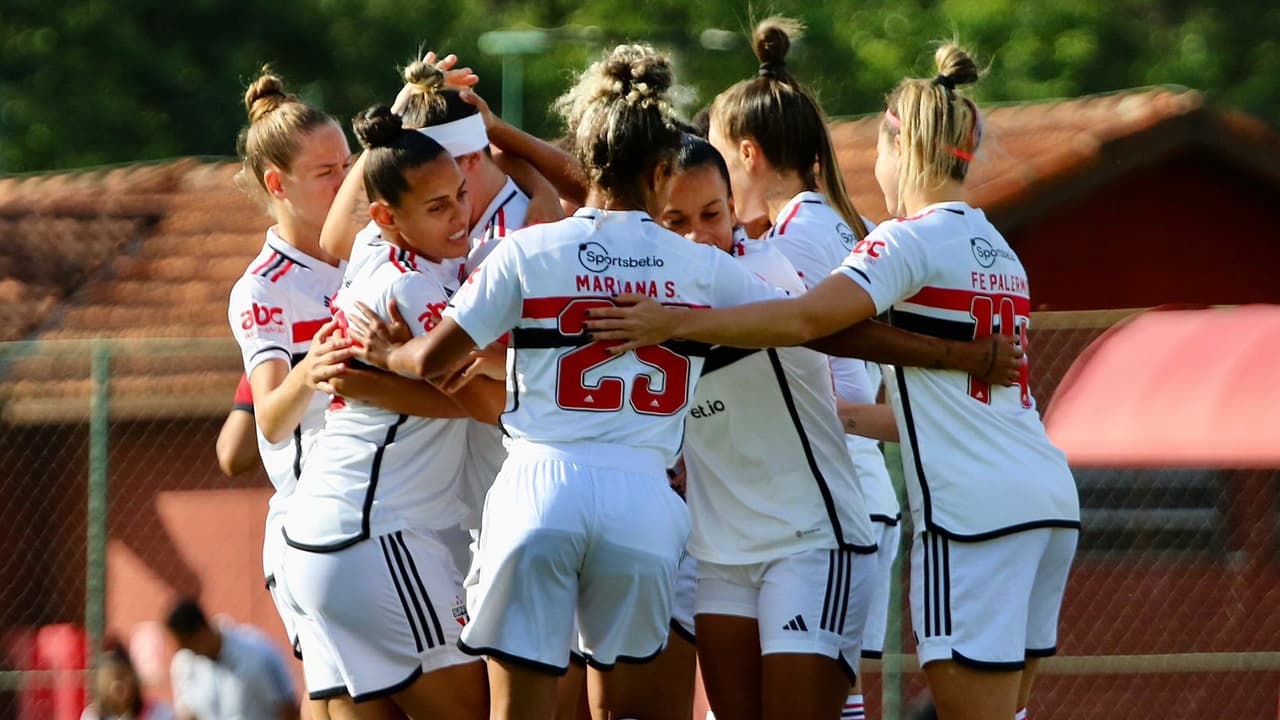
(596, 258)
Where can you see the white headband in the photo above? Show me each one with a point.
(460, 137)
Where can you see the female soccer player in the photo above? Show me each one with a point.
(780, 529)
(294, 159)
(365, 563)
(581, 515)
(993, 502)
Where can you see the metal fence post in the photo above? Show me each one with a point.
(96, 534)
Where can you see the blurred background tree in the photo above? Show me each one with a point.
(88, 82)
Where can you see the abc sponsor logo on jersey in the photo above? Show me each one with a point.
(263, 318)
(986, 255)
(870, 248)
(596, 258)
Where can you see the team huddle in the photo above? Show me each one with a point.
(520, 458)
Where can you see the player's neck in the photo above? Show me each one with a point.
(916, 200)
(483, 188)
(302, 236)
(783, 187)
(605, 200)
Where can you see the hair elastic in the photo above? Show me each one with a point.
(769, 69)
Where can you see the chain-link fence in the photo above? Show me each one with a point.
(113, 506)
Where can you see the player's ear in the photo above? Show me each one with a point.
(381, 213)
(749, 151)
(274, 180)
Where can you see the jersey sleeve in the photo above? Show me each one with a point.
(890, 264)
(421, 301)
(260, 323)
(811, 260)
(489, 302)
(732, 284)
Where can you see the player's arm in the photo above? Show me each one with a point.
(544, 201)
(237, 446)
(995, 359)
(281, 394)
(348, 213)
(554, 164)
(871, 420)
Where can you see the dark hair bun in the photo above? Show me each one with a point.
(955, 64)
(377, 127)
(638, 72)
(772, 39)
(264, 95)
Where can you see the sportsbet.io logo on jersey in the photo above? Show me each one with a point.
(986, 255)
(596, 258)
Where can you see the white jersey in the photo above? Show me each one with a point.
(563, 388)
(816, 240)
(374, 471)
(276, 307)
(977, 460)
(873, 476)
(505, 215)
(769, 473)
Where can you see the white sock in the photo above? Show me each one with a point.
(1020, 715)
(853, 708)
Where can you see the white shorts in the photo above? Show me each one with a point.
(878, 616)
(390, 608)
(686, 594)
(273, 546)
(814, 602)
(319, 667)
(989, 604)
(580, 526)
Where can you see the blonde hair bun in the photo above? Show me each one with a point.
(265, 95)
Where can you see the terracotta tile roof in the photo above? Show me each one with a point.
(130, 253)
(151, 251)
(1036, 155)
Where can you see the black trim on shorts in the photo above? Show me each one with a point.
(422, 588)
(390, 690)
(404, 603)
(936, 574)
(577, 658)
(683, 632)
(1042, 652)
(626, 659)
(987, 665)
(271, 581)
(872, 654)
(556, 670)
(297, 452)
(326, 693)
(886, 520)
(296, 646)
(1008, 530)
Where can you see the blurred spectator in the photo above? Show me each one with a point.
(229, 672)
(119, 692)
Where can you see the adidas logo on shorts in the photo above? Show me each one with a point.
(797, 623)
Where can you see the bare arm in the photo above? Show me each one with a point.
(996, 359)
(554, 164)
(396, 393)
(544, 201)
(237, 445)
(873, 421)
(281, 394)
(348, 213)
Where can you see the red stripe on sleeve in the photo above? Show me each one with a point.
(244, 392)
(263, 266)
(288, 265)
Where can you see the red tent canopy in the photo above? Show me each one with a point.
(1175, 388)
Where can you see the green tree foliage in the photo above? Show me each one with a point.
(88, 82)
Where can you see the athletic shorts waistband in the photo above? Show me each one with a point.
(604, 455)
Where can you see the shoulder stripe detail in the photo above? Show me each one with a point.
(281, 272)
(274, 256)
(269, 270)
(782, 226)
(291, 259)
(403, 260)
